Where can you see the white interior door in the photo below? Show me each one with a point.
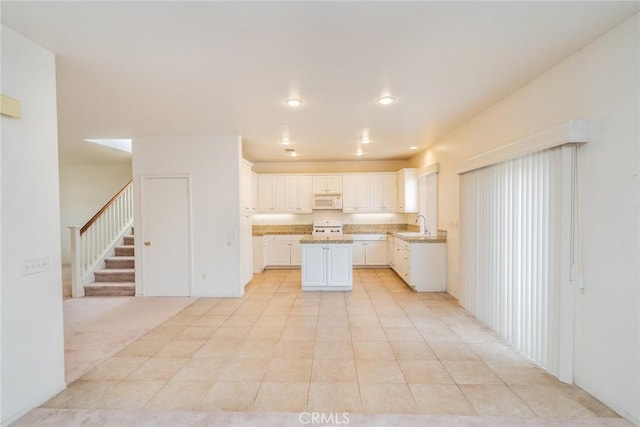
(166, 255)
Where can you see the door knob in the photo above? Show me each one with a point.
(147, 243)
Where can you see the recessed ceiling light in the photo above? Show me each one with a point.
(285, 142)
(413, 147)
(293, 154)
(386, 100)
(365, 140)
(359, 152)
(293, 102)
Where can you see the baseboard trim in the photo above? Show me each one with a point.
(36, 403)
(609, 402)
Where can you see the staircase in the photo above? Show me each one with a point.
(118, 276)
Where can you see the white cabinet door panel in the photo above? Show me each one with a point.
(293, 190)
(280, 193)
(265, 193)
(279, 253)
(339, 271)
(305, 194)
(327, 184)
(296, 256)
(334, 184)
(362, 193)
(376, 253)
(358, 253)
(313, 265)
(389, 190)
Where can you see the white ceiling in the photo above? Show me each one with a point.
(130, 69)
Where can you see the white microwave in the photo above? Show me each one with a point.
(327, 201)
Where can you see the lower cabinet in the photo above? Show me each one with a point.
(369, 249)
(259, 253)
(246, 243)
(283, 250)
(327, 267)
(422, 266)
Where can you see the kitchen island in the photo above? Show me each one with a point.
(327, 263)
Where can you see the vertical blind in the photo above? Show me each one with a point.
(513, 234)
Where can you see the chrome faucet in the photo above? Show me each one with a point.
(424, 222)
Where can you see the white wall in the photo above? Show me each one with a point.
(32, 367)
(214, 166)
(84, 189)
(600, 83)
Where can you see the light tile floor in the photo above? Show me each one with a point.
(380, 349)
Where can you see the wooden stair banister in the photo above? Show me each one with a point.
(106, 206)
(92, 243)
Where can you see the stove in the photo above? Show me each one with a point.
(327, 228)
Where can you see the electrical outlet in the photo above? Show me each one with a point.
(35, 265)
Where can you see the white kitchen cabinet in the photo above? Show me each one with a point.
(369, 192)
(246, 243)
(273, 193)
(299, 197)
(391, 249)
(255, 199)
(423, 266)
(369, 249)
(376, 253)
(246, 196)
(283, 250)
(327, 267)
(382, 190)
(278, 253)
(296, 254)
(402, 265)
(327, 184)
(259, 253)
(355, 193)
(245, 234)
(407, 190)
(314, 266)
(357, 249)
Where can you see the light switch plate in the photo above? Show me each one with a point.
(35, 265)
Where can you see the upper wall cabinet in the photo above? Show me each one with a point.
(382, 192)
(273, 193)
(407, 189)
(255, 201)
(327, 184)
(299, 194)
(285, 193)
(355, 197)
(361, 192)
(369, 193)
(246, 196)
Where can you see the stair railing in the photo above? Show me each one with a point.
(92, 242)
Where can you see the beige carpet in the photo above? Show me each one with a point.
(96, 328)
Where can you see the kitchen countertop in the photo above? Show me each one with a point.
(286, 231)
(276, 233)
(306, 240)
(418, 239)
